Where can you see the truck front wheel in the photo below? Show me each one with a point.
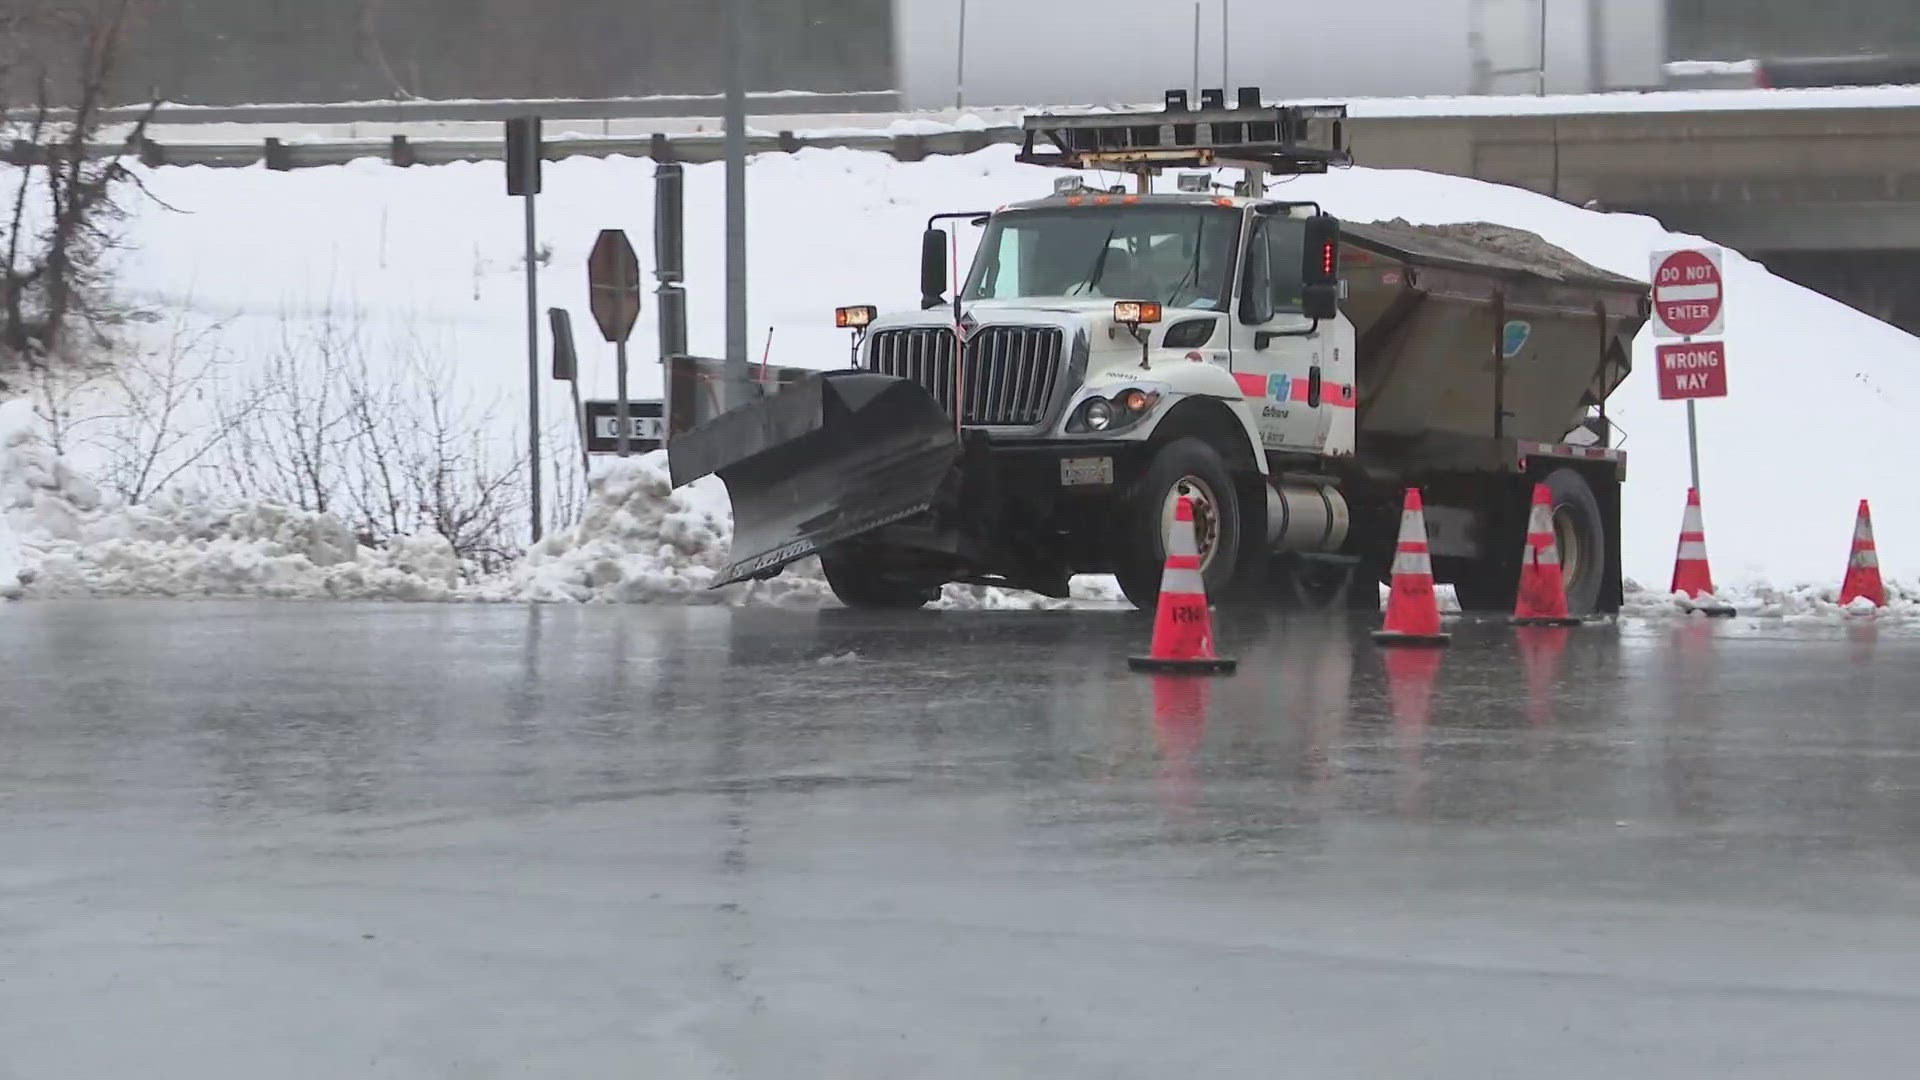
(1189, 468)
(857, 583)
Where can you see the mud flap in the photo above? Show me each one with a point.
(834, 456)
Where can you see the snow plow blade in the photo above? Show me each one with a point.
(829, 458)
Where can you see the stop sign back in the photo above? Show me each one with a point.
(1688, 298)
(613, 280)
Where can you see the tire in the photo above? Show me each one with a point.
(1580, 534)
(856, 585)
(1485, 589)
(1141, 553)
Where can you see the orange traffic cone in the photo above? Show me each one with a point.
(1863, 565)
(1413, 615)
(1182, 627)
(1691, 574)
(1543, 591)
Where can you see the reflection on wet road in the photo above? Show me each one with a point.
(304, 840)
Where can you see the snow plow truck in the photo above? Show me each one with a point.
(1112, 350)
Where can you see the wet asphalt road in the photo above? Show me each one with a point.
(290, 840)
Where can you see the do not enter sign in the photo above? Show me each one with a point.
(1688, 299)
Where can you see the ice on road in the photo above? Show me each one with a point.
(434, 841)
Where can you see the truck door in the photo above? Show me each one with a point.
(1277, 354)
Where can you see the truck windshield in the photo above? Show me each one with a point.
(1182, 256)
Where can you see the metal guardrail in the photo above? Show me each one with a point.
(429, 112)
(400, 150)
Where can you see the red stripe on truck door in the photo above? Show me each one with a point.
(1332, 395)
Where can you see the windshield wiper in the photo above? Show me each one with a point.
(1193, 271)
(1099, 264)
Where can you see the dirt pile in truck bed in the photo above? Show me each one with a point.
(1483, 243)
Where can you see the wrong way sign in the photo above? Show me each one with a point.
(1694, 369)
(1689, 299)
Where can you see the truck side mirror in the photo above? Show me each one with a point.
(1320, 269)
(1320, 302)
(933, 269)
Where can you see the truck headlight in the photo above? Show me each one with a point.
(1124, 409)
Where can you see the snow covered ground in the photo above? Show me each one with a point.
(248, 260)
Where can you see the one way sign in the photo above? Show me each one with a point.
(646, 426)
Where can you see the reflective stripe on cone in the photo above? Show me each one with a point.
(1413, 614)
(1182, 625)
(1542, 597)
(1692, 577)
(1863, 565)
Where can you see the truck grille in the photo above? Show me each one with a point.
(1009, 376)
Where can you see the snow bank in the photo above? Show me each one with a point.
(1800, 603)
(59, 537)
(641, 541)
(16, 493)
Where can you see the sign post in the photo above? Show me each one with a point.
(1689, 300)
(566, 368)
(613, 281)
(524, 157)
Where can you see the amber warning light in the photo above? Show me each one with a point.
(1136, 312)
(854, 318)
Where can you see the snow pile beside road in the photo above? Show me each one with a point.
(16, 430)
(1802, 603)
(641, 541)
(188, 545)
(60, 537)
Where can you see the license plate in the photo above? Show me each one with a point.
(1086, 471)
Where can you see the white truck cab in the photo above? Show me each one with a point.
(1221, 282)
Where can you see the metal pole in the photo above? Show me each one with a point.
(580, 433)
(1693, 444)
(620, 412)
(1543, 48)
(1226, 14)
(738, 390)
(1196, 52)
(960, 62)
(533, 369)
(1596, 46)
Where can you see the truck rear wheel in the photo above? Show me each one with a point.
(857, 583)
(1579, 535)
(1191, 468)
